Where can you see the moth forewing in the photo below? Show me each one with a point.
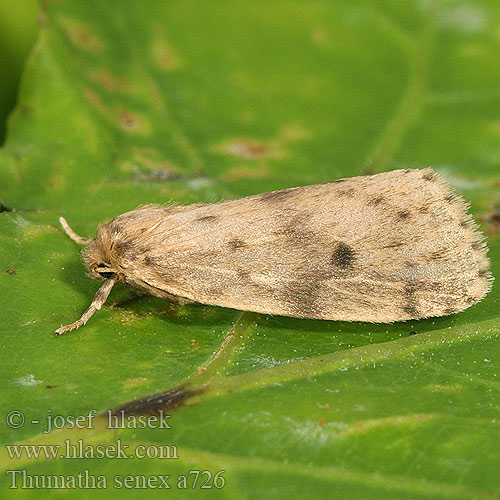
(382, 248)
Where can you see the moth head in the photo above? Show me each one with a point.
(96, 259)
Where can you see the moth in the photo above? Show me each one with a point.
(393, 246)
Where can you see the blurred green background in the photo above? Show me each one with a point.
(18, 31)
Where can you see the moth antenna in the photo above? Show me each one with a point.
(79, 239)
(99, 299)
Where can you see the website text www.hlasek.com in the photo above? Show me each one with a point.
(117, 449)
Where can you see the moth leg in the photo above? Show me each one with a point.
(79, 239)
(99, 299)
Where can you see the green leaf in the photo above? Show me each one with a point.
(130, 103)
(18, 32)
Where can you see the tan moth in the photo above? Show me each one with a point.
(388, 247)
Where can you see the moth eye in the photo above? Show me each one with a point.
(106, 275)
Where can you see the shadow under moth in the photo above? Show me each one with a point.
(388, 247)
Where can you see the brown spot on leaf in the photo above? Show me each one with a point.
(318, 36)
(80, 35)
(132, 122)
(163, 55)
(126, 119)
(292, 132)
(134, 382)
(160, 175)
(494, 218)
(26, 108)
(150, 405)
(247, 172)
(94, 99)
(10, 271)
(368, 170)
(110, 82)
(250, 149)
(149, 165)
